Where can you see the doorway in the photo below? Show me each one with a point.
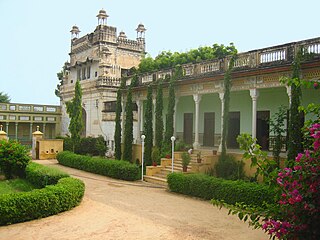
(233, 129)
(263, 118)
(208, 134)
(188, 128)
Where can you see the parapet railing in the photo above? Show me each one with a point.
(271, 56)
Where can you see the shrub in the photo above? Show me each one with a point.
(112, 168)
(40, 175)
(229, 168)
(206, 187)
(155, 156)
(13, 159)
(87, 146)
(185, 159)
(20, 207)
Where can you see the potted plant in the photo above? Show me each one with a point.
(199, 157)
(185, 161)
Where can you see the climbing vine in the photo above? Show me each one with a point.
(148, 127)
(159, 117)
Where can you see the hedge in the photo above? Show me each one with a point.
(24, 206)
(40, 175)
(206, 187)
(112, 168)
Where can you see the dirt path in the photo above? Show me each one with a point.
(114, 209)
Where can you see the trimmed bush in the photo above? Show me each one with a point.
(40, 175)
(21, 207)
(13, 158)
(52, 199)
(206, 187)
(229, 168)
(112, 168)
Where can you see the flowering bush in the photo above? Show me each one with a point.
(299, 203)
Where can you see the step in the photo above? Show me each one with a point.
(156, 180)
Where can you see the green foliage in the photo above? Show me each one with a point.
(20, 207)
(112, 168)
(159, 117)
(13, 159)
(117, 132)
(313, 112)
(167, 59)
(231, 192)
(277, 128)
(15, 185)
(148, 131)
(155, 156)
(226, 104)
(87, 146)
(229, 168)
(170, 114)
(41, 176)
(185, 159)
(4, 98)
(180, 145)
(259, 159)
(74, 109)
(128, 129)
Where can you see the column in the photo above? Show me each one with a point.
(254, 93)
(289, 94)
(197, 99)
(30, 131)
(16, 136)
(7, 128)
(138, 102)
(221, 96)
(141, 117)
(44, 130)
(175, 117)
(123, 106)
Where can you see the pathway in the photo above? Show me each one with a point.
(114, 209)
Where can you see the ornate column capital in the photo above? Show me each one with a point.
(254, 94)
(197, 98)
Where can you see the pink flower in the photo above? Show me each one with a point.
(297, 168)
(298, 158)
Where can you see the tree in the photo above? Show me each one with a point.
(159, 117)
(74, 110)
(4, 98)
(128, 128)
(226, 106)
(117, 132)
(60, 78)
(295, 123)
(170, 114)
(148, 131)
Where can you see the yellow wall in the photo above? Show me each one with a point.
(48, 149)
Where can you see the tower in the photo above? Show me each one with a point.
(102, 17)
(75, 32)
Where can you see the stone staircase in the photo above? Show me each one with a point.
(158, 174)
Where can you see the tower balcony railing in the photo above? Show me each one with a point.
(108, 82)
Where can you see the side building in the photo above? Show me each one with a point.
(19, 121)
(98, 60)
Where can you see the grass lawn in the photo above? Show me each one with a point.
(15, 185)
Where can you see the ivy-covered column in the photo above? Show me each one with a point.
(254, 93)
(221, 96)
(175, 116)
(289, 94)
(154, 119)
(123, 106)
(197, 99)
(138, 137)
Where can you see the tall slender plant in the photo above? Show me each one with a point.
(148, 131)
(117, 133)
(226, 106)
(159, 117)
(74, 110)
(128, 128)
(170, 114)
(295, 123)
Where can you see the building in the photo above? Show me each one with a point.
(98, 60)
(256, 94)
(19, 121)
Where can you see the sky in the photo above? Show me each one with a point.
(35, 34)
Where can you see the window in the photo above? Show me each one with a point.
(96, 74)
(88, 71)
(84, 73)
(110, 106)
